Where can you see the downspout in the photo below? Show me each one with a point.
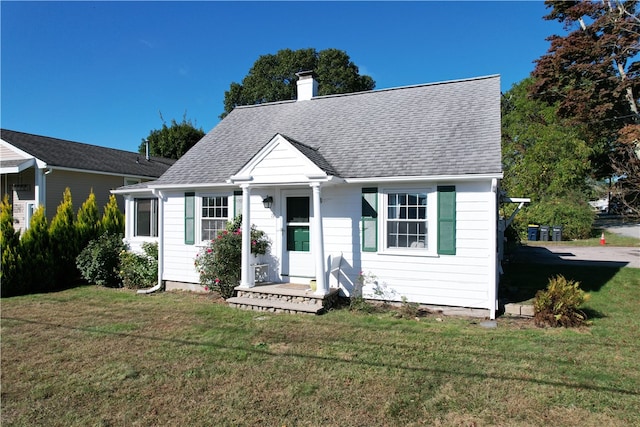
(159, 285)
(43, 189)
(493, 257)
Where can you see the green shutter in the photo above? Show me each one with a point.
(447, 220)
(189, 218)
(369, 219)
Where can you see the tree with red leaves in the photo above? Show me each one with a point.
(593, 76)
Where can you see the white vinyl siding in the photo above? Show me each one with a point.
(462, 279)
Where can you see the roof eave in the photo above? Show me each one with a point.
(426, 178)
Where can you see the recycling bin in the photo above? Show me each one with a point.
(544, 233)
(532, 232)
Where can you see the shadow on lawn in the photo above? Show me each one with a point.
(464, 371)
(532, 267)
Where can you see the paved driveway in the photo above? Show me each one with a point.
(605, 256)
(619, 225)
(629, 230)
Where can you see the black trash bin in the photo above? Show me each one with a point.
(544, 233)
(532, 232)
(556, 235)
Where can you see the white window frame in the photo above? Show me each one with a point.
(200, 217)
(431, 221)
(29, 210)
(153, 218)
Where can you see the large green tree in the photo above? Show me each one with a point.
(172, 141)
(593, 75)
(273, 77)
(545, 159)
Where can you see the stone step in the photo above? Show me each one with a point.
(519, 310)
(273, 305)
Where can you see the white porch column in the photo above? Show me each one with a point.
(245, 278)
(318, 243)
(129, 217)
(38, 191)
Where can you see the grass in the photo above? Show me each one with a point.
(105, 357)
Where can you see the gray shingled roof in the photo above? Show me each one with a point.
(448, 128)
(76, 155)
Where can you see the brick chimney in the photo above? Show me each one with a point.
(307, 85)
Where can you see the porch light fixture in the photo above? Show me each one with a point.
(267, 202)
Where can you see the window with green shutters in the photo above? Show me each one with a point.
(447, 220)
(407, 222)
(189, 218)
(369, 219)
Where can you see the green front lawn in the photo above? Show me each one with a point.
(94, 356)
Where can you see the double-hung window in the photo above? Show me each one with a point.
(146, 217)
(215, 214)
(406, 220)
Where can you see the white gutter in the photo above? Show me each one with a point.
(439, 178)
(158, 286)
(131, 191)
(232, 181)
(186, 186)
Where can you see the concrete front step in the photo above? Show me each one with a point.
(283, 298)
(274, 306)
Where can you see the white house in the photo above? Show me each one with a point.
(397, 186)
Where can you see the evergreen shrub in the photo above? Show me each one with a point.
(10, 283)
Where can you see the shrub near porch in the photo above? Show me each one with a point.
(219, 263)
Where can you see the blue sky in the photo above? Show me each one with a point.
(102, 72)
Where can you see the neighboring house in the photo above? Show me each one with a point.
(35, 170)
(395, 188)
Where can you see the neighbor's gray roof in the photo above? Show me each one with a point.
(75, 155)
(448, 128)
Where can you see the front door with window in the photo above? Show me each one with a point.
(297, 258)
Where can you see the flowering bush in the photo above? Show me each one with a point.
(219, 263)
